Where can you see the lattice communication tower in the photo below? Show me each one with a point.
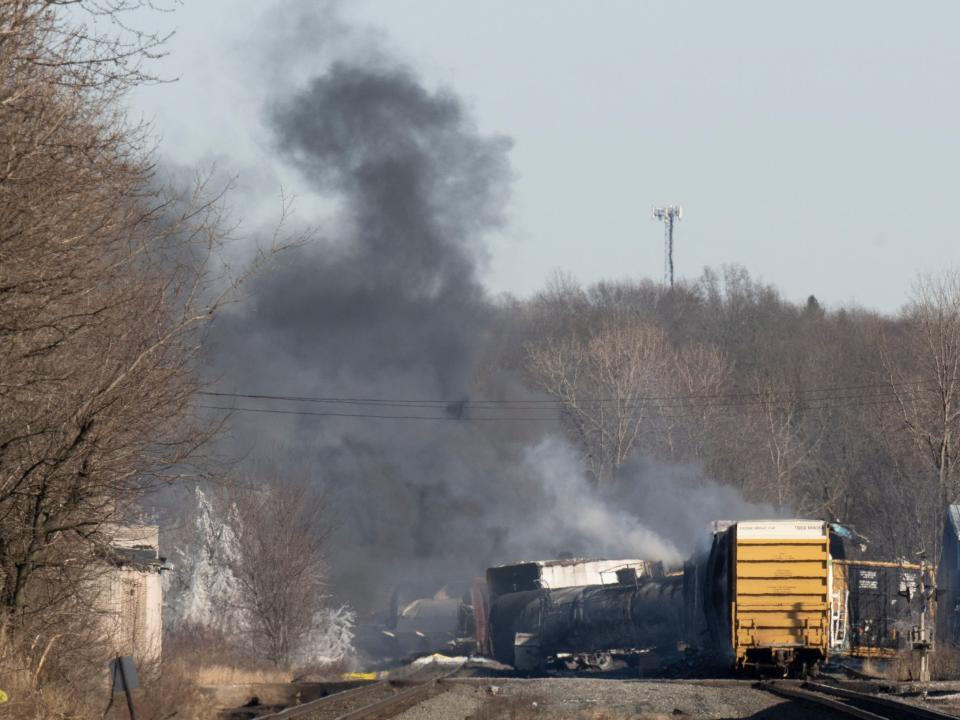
(670, 215)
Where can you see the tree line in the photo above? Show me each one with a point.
(844, 414)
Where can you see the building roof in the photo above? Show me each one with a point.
(135, 547)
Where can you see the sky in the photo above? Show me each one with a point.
(815, 143)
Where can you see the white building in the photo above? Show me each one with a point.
(133, 597)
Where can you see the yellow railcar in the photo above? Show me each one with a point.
(777, 601)
(771, 593)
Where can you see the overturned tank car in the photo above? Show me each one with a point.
(586, 626)
(581, 613)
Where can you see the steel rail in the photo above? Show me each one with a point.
(850, 702)
(417, 694)
(421, 682)
(325, 702)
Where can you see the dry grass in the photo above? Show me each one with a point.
(208, 657)
(192, 658)
(51, 694)
(945, 663)
(326, 671)
(230, 675)
(889, 669)
(195, 659)
(905, 666)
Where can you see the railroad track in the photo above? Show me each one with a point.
(851, 703)
(383, 698)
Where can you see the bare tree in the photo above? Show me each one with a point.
(788, 440)
(924, 377)
(107, 284)
(607, 383)
(699, 375)
(281, 527)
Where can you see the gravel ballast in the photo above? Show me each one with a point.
(593, 699)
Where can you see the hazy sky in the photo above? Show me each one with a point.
(816, 143)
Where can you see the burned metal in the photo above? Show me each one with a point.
(780, 596)
(529, 627)
(444, 622)
(565, 573)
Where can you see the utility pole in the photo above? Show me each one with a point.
(669, 214)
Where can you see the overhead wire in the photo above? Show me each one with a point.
(278, 411)
(466, 410)
(762, 397)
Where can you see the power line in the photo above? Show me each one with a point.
(779, 395)
(665, 410)
(505, 418)
(454, 418)
(459, 411)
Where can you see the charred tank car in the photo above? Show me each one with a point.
(585, 625)
(580, 612)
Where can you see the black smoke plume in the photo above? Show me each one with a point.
(390, 306)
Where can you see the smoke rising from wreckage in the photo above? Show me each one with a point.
(390, 305)
(780, 596)
(397, 430)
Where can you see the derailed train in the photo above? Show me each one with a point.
(774, 595)
(781, 595)
(790, 594)
(778, 595)
(633, 606)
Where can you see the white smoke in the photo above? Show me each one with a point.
(655, 511)
(575, 512)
